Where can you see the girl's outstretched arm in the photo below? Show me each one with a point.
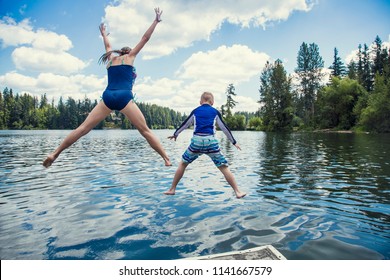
(103, 32)
(145, 38)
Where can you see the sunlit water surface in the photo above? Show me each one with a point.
(312, 196)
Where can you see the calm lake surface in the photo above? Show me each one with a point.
(312, 196)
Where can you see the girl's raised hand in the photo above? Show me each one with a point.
(158, 14)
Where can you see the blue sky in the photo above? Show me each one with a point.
(52, 47)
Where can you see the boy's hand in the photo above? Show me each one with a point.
(237, 146)
(172, 137)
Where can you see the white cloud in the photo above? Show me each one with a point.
(206, 71)
(351, 56)
(14, 34)
(16, 80)
(50, 41)
(233, 64)
(39, 50)
(55, 86)
(185, 22)
(26, 58)
(246, 104)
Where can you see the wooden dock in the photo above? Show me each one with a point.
(267, 252)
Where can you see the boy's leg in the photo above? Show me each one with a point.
(178, 175)
(187, 157)
(231, 180)
(220, 161)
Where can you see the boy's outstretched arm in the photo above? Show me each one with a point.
(187, 123)
(222, 125)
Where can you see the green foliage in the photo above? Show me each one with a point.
(276, 97)
(236, 122)
(255, 123)
(336, 102)
(376, 116)
(352, 70)
(158, 117)
(309, 71)
(26, 112)
(226, 110)
(357, 101)
(337, 67)
(367, 75)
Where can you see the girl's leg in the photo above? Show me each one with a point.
(230, 179)
(178, 175)
(134, 114)
(98, 114)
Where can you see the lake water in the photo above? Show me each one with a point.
(312, 196)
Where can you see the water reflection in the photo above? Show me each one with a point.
(313, 196)
(335, 183)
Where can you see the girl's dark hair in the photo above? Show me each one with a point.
(104, 58)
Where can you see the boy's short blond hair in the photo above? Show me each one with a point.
(207, 97)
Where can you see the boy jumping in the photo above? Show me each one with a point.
(203, 141)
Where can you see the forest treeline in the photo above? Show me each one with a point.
(23, 111)
(356, 97)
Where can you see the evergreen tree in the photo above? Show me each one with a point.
(367, 80)
(27, 112)
(352, 72)
(7, 106)
(378, 64)
(266, 99)
(61, 120)
(309, 71)
(43, 103)
(276, 97)
(230, 102)
(71, 115)
(386, 64)
(2, 111)
(337, 67)
(15, 115)
(359, 68)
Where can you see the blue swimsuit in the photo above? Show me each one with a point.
(204, 118)
(120, 85)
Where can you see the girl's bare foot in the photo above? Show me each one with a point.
(49, 160)
(240, 194)
(170, 192)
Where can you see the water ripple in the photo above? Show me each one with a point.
(312, 196)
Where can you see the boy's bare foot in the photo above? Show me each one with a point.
(240, 194)
(167, 162)
(170, 192)
(49, 160)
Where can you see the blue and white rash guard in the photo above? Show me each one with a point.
(204, 118)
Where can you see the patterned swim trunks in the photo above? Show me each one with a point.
(204, 145)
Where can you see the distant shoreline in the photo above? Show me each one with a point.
(329, 130)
